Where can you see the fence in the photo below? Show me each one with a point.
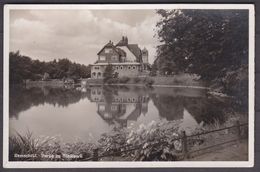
(186, 149)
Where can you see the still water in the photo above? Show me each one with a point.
(85, 113)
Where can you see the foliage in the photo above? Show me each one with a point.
(108, 73)
(205, 42)
(23, 68)
(154, 69)
(137, 79)
(210, 43)
(47, 148)
(155, 141)
(124, 79)
(148, 81)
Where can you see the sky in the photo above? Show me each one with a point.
(79, 34)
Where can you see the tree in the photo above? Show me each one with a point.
(205, 42)
(108, 73)
(23, 68)
(210, 43)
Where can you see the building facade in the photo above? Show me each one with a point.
(126, 59)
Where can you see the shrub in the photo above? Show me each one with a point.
(112, 81)
(124, 79)
(136, 80)
(149, 81)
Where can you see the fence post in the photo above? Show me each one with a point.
(95, 154)
(238, 129)
(184, 145)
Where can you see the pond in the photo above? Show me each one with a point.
(85, 113)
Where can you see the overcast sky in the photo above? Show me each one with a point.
(79, 34)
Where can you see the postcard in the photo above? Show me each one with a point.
(124, 86)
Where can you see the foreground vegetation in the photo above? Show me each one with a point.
(156, 141)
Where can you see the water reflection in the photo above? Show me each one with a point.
(119, 106)
(85, 111)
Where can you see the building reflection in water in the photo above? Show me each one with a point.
(119, 106)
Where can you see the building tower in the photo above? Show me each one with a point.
(145, 55)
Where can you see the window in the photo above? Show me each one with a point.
(94, 74)
(129, 67)
(113, 107)
(134, 67)
(99, 74)
(121, 67)
(96, 67)
(102, 107)
(102, 58)
(117, 68)
(108, 50)
(114, 58)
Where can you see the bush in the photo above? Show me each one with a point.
(112, 81)
(124, 79)
(136, 80)
(148, 81)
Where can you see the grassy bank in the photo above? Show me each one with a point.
(51, 83)
(174, 80)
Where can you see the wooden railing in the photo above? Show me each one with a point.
(186, 151)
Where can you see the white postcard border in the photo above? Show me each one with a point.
(249, 163)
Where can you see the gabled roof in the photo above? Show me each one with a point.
(135, 50)
(111, 45)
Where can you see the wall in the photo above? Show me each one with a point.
(125, 71)
(97, 69)
(108, 56)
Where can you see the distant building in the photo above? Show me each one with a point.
(126, 59)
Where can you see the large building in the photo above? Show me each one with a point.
(126, 59)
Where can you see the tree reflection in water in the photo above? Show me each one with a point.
(22, 98)
(118, 105)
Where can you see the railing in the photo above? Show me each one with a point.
(185, 152)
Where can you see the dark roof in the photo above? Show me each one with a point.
(124, 42)
(135, 50)
(121, 52)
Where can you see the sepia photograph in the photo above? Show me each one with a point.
(147, 85)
